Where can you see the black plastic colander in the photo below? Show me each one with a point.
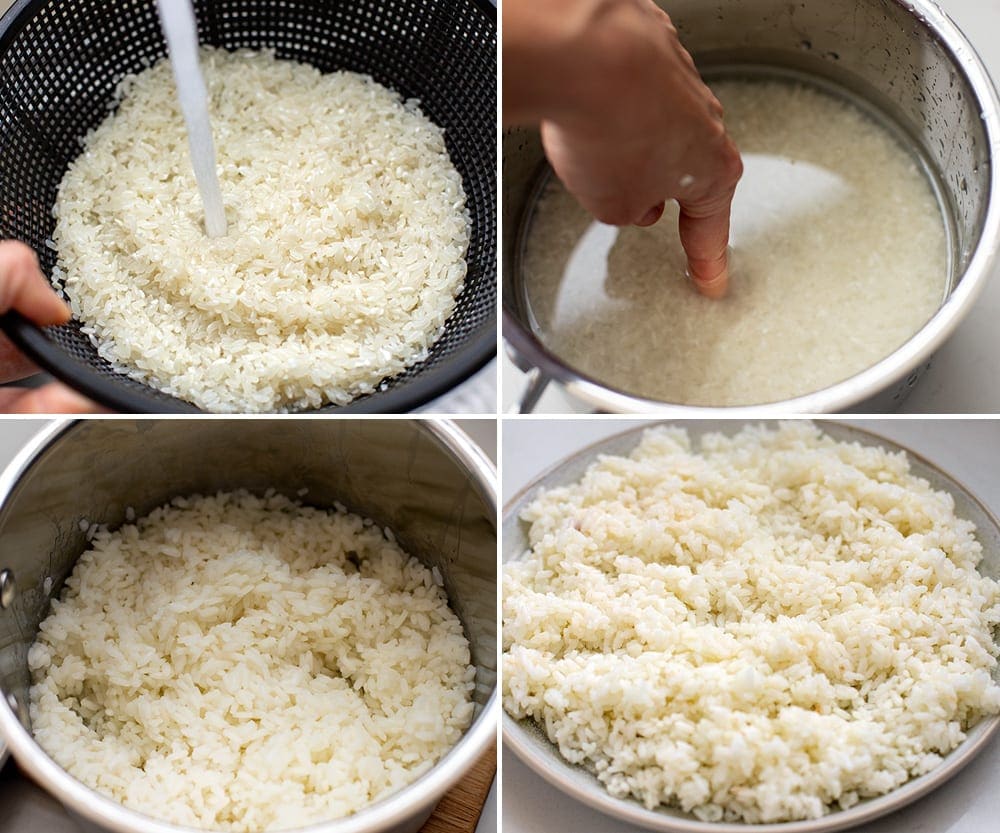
(60, 61)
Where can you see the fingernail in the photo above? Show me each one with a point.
(651, 216)
(59, 314)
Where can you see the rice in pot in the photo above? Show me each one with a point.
(248, 664)
(839, 256)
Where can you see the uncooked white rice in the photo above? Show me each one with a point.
(346, 247)
(767, 629)
(242, 663)
(839, 256)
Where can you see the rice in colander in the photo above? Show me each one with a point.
(241, 663)
(768, 628)
(346, 247)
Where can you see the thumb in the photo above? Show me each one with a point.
(24, 288)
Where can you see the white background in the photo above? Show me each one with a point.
(965, 377)
(968, 450)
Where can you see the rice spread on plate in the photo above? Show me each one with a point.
(346, 247)
(243, 663)
(768, 628)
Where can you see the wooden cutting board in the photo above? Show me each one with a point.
(459, 810)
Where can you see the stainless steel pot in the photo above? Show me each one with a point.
(423, 479)
(528, 741)
(905, 57)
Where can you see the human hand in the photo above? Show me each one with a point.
(24, 288)
(634, 124)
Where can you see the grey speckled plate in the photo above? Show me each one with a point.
(529, 743)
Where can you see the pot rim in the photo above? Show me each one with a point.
(516, 737)
(397, 808)
(529, 351)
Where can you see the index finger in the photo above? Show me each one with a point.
(24, 288)
(704, 232)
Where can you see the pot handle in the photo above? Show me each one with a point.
(537, 383)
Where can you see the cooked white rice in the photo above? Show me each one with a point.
(243, 663)
(346, 245)
(767, 629)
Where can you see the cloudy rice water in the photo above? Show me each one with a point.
(248, 663)
(839, 256)
(765, 628)
(346, 247)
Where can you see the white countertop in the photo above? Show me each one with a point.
(965, 376)
(476, 395)
(968, 450)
